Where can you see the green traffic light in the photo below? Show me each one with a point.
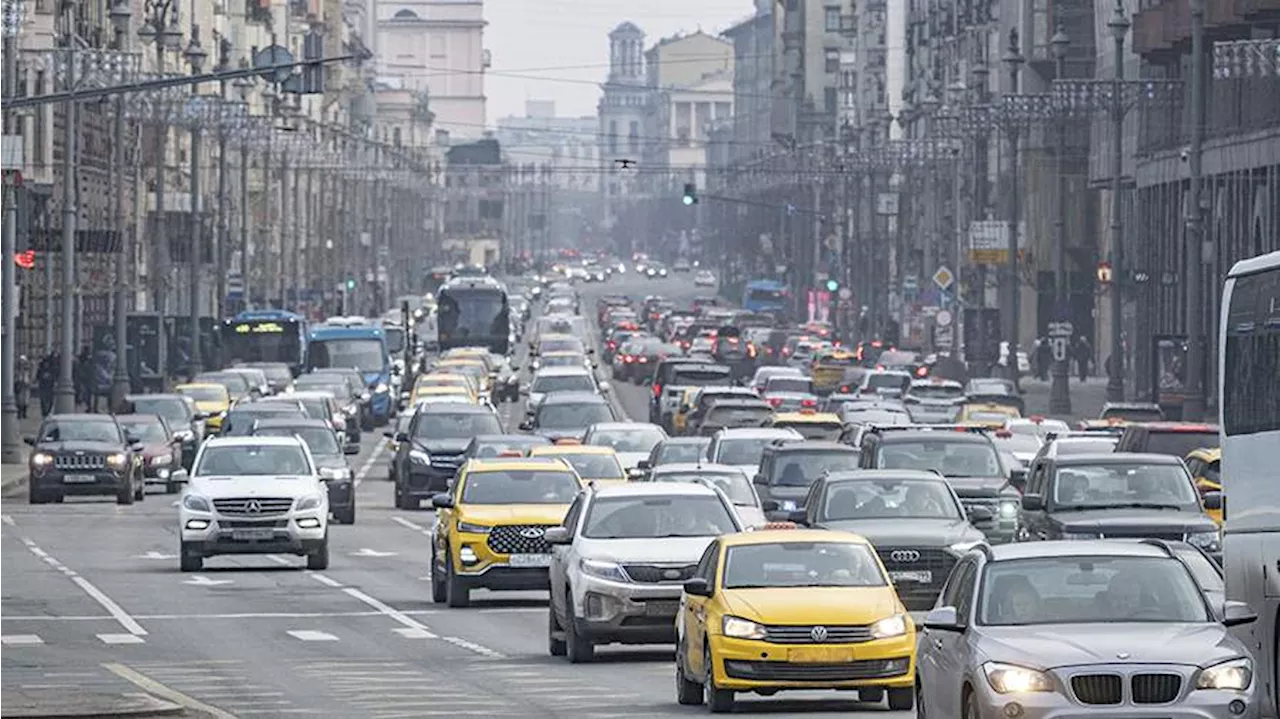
(688, 199)
(351, 284)
(832, 285)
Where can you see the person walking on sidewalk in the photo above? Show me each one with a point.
(46, 378)
(1083, 353)
(22, 386)
(82, 377)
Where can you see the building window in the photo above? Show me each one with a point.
(832, 18)
(833, 59)
(829, 99)
(438, 46)
(633, 136)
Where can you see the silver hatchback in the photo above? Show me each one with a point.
(1067, 630)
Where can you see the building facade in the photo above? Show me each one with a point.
(621, 113)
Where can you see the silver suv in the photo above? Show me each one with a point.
(620, 559)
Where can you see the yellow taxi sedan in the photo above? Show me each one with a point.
(490, 526)
(810, 424)
(444, 380)
(212, 399)
(988, 415)
(828, 368)
(792, 609)
(592, 463)
(1206, 467)
(431, 392)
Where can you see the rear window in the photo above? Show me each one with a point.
(1134, 415)
(700, 378)
(789, 384)
(1179, 444)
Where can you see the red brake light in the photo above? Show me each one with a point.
(1004, 434)
(775, 401)
(628, 359)
(511, 453)
(1192, 428)
(844, 389)
(922, 371)
(642, 359)
(880, 367)
(876, 343)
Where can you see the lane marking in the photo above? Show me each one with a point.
(20, 639)
(411, 633)
(121, 639)
(412, 525)
(477, 648)
(327, 581)
(368, 463)
(120, 615)
(311, 635)
(366, 552)
(8, 520)
(152, 686)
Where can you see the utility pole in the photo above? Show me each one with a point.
(10, 449)
(120, 385)
(195, 56)
(222, 239)
(65, 391)
(1014, 60)
(1196, 246)
(1119, 26)
(244, 225)
(1059, 391)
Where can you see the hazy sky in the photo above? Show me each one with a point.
(559, 49)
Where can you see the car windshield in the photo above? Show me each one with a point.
(673, 452)
(489, 450)
(1180, 444)
(952, 459)
(985, 417)
(1017, 443)
(991, 387)
(653, 517)
(275, 372)
(635, 438)
(1123, 484)
(578, 415)
(320, 440)
(735, 485)
(1094, 590)
(316, 407)
(801, 564)
(236, 384)
(595, 466)
(737, 416)
(1134, 414)
(890, 499)
(456, 425)
(1213, 473)
(1040, 428)
(170, 408)
(1084, 445)
(814, 430)
(741, 452)
(701, 377)
(520, 486)
(576, 360)
(788, 384)
(545, 384)
(144, 428)
(103, 430)
(258, 460)
(876, 416)
(930, 391)
(799, 469)
(204, 394)
(887, 381)
(366, 355)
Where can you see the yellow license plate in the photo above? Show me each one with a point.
(819, 655)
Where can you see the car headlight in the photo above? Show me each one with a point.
(894, 626)
(161, 460)
(311, 501)
(1009, 509)
(1235, 674)
(40, 459)
(196, 503)
(471, 528)
(335, 473)
(1208, 541)
(787, 505)
(117, 460)
(740, 628)
(1011, 679)
(381, 388)
(418, 456)
(603, 570)
(1080, 535)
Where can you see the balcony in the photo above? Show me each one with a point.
(1164, 25)
(1236, 106)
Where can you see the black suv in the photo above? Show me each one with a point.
(82, 454)
(788, 468)
(671, 377)
(430, 451)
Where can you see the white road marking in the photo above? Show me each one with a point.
(152, 686)
(156, 555)
(19, 639)
(7, 520)
(411, 633)
(199, 580)
(121, 639)
(368, 464)
(311, 635)
(116, 612)
(280, 560)
(477, 648)
(240, 694)
(327, 581)
(513, 610)
(366, 552)
(411, 525)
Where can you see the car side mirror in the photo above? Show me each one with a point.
(402, 437)
(944, 619)
(799, 516)
(769, 505)
(697, 587)
(557, 535)
(761, 480)
(643, 465)
(526, 425)
(351, 449)
(980, 514)
(200, 415)
(1032, 503)
(442, 501)
(1213, 500)
(30, 441)
(389, 434)
(1236, 613)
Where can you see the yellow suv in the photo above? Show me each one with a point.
(783, 609)
(490, 525)
(593, 464)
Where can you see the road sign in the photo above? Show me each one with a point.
(887, 203)
(943, 318)
(943, 278)
(1060, 334)
(944, 337)
(271, 56)
(846, 293)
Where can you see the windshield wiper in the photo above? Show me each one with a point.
(1123, 505)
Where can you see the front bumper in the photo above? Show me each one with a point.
(624, 612)
(276, 535)
(428, 480)
(491, 570)
(78, 482)
(750, 665)
(342, 493)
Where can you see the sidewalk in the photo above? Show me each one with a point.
(13, 477)
(60, 703)
(1086, 399)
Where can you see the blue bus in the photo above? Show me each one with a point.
(265, 336)
(766, 296)
(363, 347)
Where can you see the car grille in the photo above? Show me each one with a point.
(1143, 534)
(797, 672)
(253, 506)
(918, 595)
(80, 461)
(804, 634)
(1096, 689)
(1155, 688)
(511, 539)
(446, 461)
(254, 524)
(651, 574)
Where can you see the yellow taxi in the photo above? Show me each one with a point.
(828, 368)
(593, 464)
(476, 369)
(441, 379)
(680, 418)
(810, 424)
(439, 391)
(1206, 467)
(987, 415)
(782, 609)
(212, 399)
(490, 525)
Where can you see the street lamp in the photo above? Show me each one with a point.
(1014, 61)
(243, 86)
(1198, 250)
(1119, 26)
(121, 17)
(195, 56)
(1059, 390)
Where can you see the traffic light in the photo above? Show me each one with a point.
(690, 194)
(25, 259)
(832, 285)
(351, 283)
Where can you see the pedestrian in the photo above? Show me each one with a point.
(82, 377)
(1043, 358)
(103, 366)
(22, 386)
(46, 378)
(1083, 353)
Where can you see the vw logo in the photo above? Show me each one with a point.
(531, 533)
(818, 634)
(671, 574)
(904, 555)
(252, 507)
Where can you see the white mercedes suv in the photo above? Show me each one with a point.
(254, 495)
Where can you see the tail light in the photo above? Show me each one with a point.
(612, 345)
(922, 371)
(1004, 434)
(642, 360)
(808, 403)
(786, 350)
(511, 453)
(775, 402)
(628, 359)
(844, 389)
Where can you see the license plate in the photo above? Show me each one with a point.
(530, 560)
(78, 479)
(923, 577)
(252, 535)
(662, 608)
(819, 655)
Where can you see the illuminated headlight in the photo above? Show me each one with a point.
(1011, 679)
(1080, 535)
(787, 505)
(311, 501)
(419, 457)
(335, 473)
(40, 459)
(603, 570)
(161, 460)
(740, 628)
(117, 460)
(1208, 541)
(1009, 509)
(468, 555)
(381, 388)
(894, 626)
(662, 272)
(308, 523)
(471, 528)
(1236, 675)
(196, 503)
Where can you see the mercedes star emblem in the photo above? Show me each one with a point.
(252, 507)
(818, 634)
(904, 555)
(531, 533)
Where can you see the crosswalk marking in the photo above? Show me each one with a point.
(121, 639)
(310, 635)
(20, 639)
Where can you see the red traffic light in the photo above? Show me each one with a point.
(26, 260)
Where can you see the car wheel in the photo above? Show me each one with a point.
(124, 495)
(438, 586)
(968, 708)
(319, 559)
(35, 496)
(555, 645)
(902, 699)
(719, 701)
(346, 515)
(688, 692)
(580, 650)
(457, 594)
(190, 561)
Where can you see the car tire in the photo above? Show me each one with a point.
(346, 515)
(719, 701)
(579, 649)
(556, 646)
(438, 587)
(688, 692)
(189, 561)
(457, 594)
(968, 709)
(35, 496)
(319, 559)
(124, 495)
(902, 699)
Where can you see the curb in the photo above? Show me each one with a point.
(31, 705)
(12, 484)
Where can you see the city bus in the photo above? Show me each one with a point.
(765, 296)
(1249, 421)
(361, 347)
(473, 312)
(265, 336)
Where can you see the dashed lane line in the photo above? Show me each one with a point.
(412, 525)
(152, 686)
(368, 463)
(127, 622)
(311, 635)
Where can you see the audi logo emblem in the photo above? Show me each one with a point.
(252, 507)
(818, 634)
(531, 533)
(904, 555)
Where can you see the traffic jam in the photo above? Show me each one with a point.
(793, 514)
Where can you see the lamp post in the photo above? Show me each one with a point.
(1059, 390)
(64, 401)
(121, 16)
(221, 208)
(10, 449)
(1014, 61)
(243, 86)
(1197, 248)
(1119, 26)
(195, 56)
